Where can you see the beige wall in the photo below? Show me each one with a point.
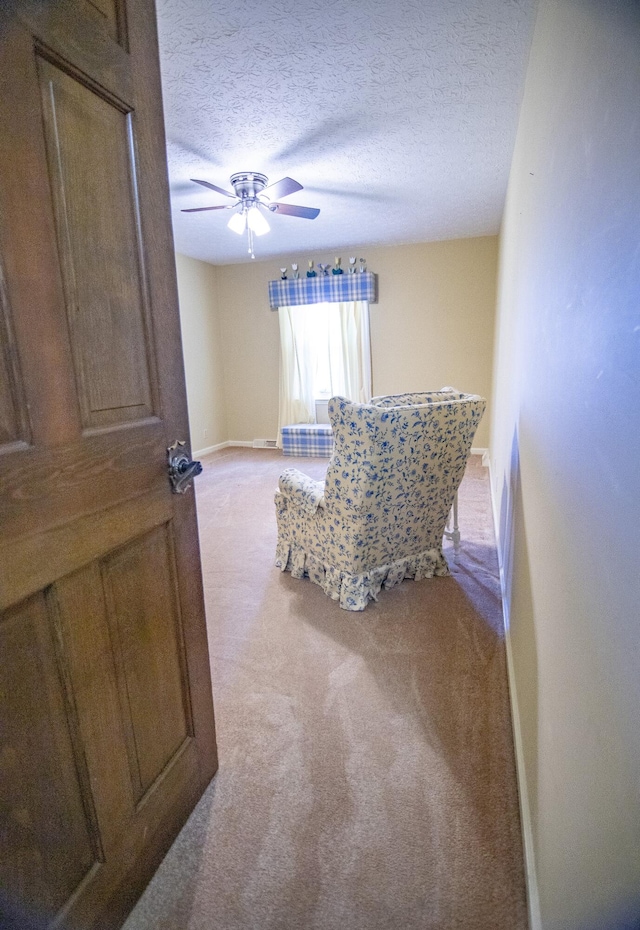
(566, 457)
(251, 340)
(197, 285)
(433, 326)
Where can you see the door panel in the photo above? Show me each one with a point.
(28, 253)
(9, 428)
(89, 145)
(84, 633)
(13, 413)
(46, 835)
(107, 736)
(148, 645)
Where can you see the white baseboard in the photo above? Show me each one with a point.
(223, 445)
(531, 877)
(479, 450)
(208, 449)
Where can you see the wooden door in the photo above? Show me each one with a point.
(106, 721)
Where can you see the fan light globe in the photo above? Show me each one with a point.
(237, 223)
(256, 222)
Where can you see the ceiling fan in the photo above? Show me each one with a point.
(252, 199)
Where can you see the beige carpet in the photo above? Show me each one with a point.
(366, 774)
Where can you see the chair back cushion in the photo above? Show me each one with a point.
(399, 463)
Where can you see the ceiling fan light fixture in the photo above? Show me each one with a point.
(253, 196)
(238, 223)
(257, 222)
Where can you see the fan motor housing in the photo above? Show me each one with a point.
(248, 184)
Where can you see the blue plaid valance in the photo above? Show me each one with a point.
(324, 288)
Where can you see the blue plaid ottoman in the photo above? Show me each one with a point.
(314, 439)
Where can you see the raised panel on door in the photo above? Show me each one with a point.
(49, 841)
(80, 604)
(91, 165)
(142, 603)
(14, 422)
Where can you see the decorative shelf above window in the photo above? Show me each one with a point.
(324, 288)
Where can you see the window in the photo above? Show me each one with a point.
(325, 351)
(324, 343)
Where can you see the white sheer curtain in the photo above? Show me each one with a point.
(350, 365)
(296, 368)
(325, 349)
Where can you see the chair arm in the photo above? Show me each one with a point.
(305, 492)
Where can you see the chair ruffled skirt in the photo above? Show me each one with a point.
(355, 591)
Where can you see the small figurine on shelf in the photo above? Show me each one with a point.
(337, 269)
(363, 264)
(352, 264)
(324, 268)
(311, 273)
(283, 274)
(294, 268)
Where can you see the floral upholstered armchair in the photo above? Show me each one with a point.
(380, 514)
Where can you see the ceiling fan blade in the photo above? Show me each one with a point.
(291, 209)
(202, 209)
(212, 187)
(282, 188)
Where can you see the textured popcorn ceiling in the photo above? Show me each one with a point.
(397, 116)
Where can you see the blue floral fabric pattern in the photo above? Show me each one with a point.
(380, 514)
(425, 397)
(302, 491)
